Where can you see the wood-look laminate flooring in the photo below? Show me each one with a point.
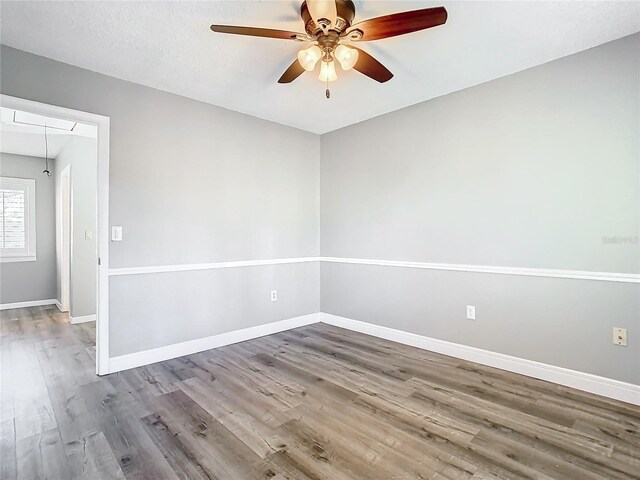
(316, 403)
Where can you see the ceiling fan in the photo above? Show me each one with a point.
(328, 25)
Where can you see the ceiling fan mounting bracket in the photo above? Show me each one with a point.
(328, 41)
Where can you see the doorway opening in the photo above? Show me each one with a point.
(70, 213)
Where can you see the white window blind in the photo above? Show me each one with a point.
(17, 219)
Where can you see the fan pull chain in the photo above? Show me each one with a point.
(327, 92)
(46, 153)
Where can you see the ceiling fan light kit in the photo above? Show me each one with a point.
(347, 56)
(329, 24)
(328, 71)
(309, 57)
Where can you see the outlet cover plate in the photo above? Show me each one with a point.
(471, 312)
(620, 336)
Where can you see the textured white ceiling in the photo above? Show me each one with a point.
(168, 45)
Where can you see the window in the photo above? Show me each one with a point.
(17, 219)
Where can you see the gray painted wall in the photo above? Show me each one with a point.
(82, 154)
(530, 170)
(30, 281)
(209, 302)
(189, 183)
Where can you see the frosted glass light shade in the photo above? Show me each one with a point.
(327, 71)
(309, 57)
(323, 9)
(346, 56)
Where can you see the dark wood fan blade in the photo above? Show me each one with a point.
(256, 32)
(371, 67)
(293, 72)
(400, 23)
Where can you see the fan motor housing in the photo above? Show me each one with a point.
(346, 12)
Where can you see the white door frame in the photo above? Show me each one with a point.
(102, 124)
(65, 238)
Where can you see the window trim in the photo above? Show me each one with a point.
(28, 185)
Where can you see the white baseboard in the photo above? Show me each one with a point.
(587, 382)
(146, 357)
(82, 319)
(32, 303)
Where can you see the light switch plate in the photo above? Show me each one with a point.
(116, 233)
(88, 235)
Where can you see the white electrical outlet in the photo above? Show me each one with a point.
(471, 312)
(620, 336)
(274, 295)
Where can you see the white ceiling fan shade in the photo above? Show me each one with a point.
(323, 9)
(347, 56)
(328, 71)
(309, 57)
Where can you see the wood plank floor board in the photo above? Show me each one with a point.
(341, 372)
(65, 369)
(249, 384)
(135, 452)
(42, 456)
(387, 450)
(431, 431)
(6, 379)
(320, 455)
(536, 462)
(179, 456)
(561, 395)
(253, 426)
(314, 384)
(578, 449)
(622, 440)
(33, 410)
(220, 453)
(90, 456)
(497, 415)
(8, 450)
(365, 361)
(313, 403)
(623, 418)
(143, 383)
